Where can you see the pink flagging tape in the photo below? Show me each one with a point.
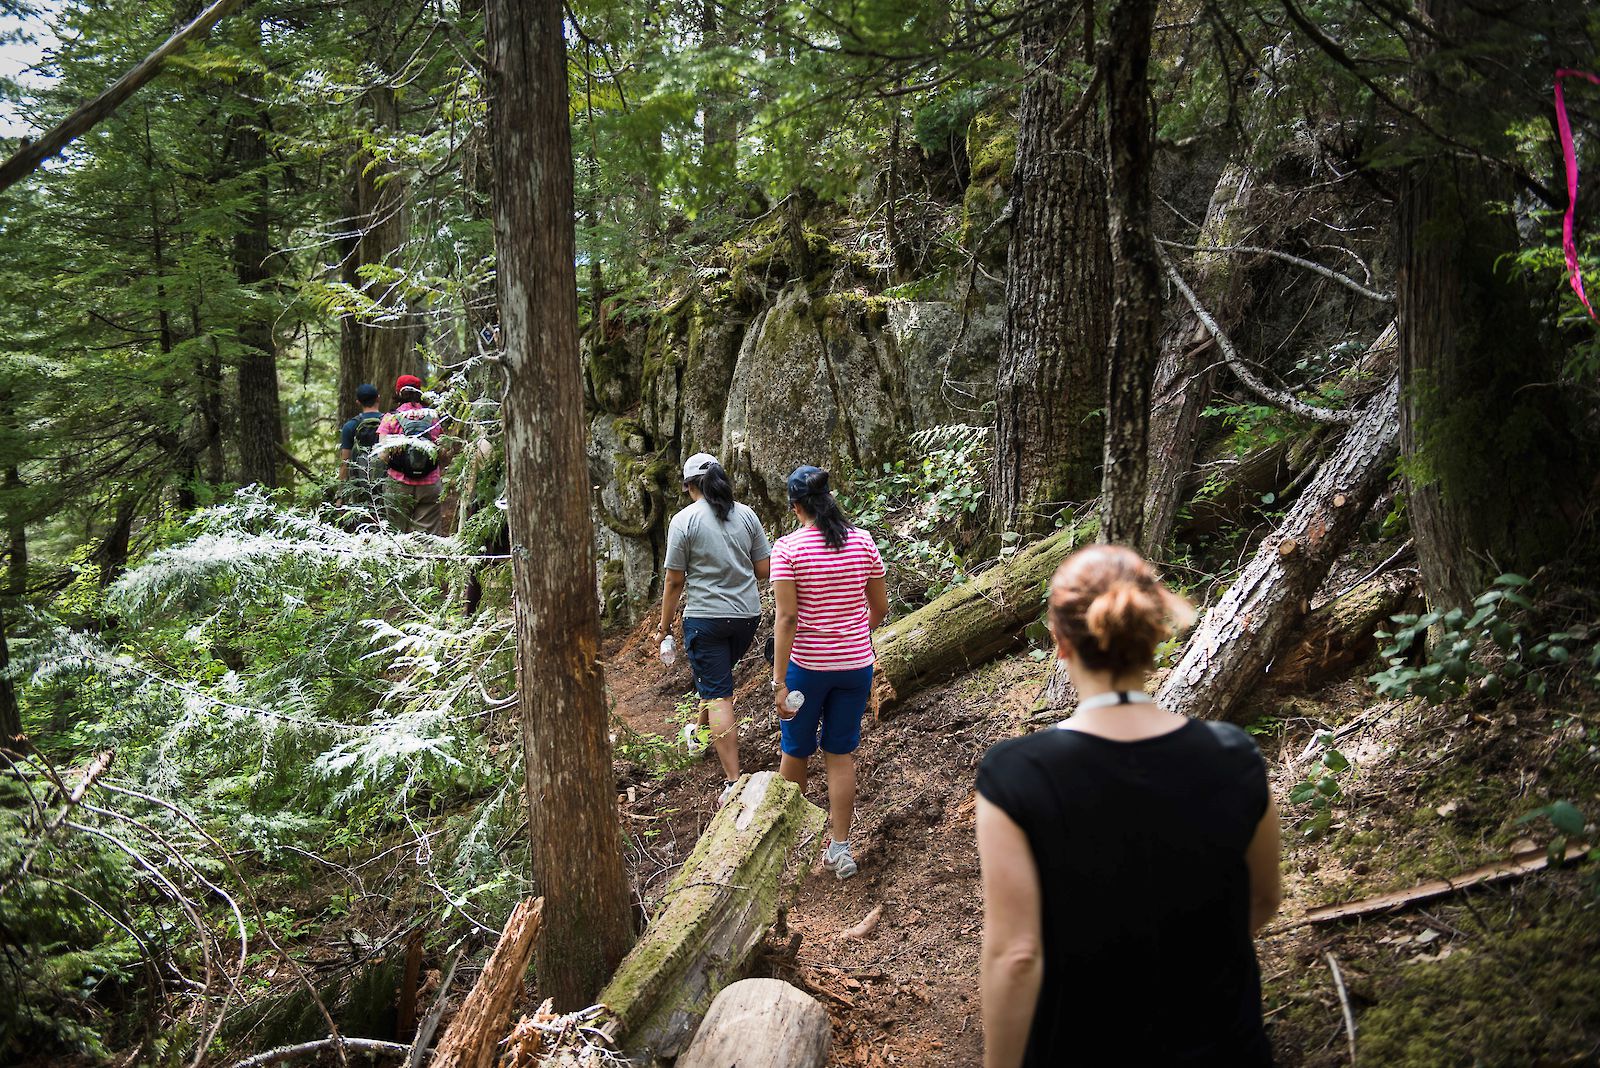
(1569, 156)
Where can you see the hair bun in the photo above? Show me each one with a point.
(1126, 613)
(818, 483)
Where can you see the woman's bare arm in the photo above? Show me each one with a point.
(784, 621)
(877, 602)
(1012, 968)
(1266, 877)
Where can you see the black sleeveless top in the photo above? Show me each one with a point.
(1140, 848)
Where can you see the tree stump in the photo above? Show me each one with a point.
(761, 1023)
(472, 1036)
(747, 865)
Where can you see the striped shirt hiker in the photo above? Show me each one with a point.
(832, 633)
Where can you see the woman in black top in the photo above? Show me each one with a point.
(1128, 857)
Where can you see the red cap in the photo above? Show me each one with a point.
(407, 382)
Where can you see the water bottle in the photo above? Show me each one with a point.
(669, 652)
(793, 702)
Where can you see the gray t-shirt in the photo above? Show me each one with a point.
(719, 559)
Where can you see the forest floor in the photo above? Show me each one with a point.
(1501, 975)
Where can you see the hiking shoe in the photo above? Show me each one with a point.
(690, 737)
(727, 791)
(837, 859)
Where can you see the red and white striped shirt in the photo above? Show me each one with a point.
(830, 586)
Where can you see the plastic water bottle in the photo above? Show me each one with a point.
(669, 651)
(793, 702)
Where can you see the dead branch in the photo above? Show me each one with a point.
(289, 1053)
(1344, 1006)
(1288, 402)
(471, 1038)
(1310, 265)
(30, 156)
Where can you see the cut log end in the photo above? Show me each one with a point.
(761, 1023)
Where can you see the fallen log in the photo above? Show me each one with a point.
(746, 867)
(1240, 635)
(972, 623)
(1519, 864)
(480, 1024)
(761, 1023)
(1338, 634)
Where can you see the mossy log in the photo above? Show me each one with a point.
(972, 623)
(761, 1023)
(1242, 632)
(1337, 635)
(745, 868)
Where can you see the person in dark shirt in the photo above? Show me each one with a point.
(1128, 856)
(357, 438)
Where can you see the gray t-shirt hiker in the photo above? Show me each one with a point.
(718, 560)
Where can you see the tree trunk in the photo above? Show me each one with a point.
(376, 352)
(1185, 367)
(1478, 415)
(1051, 377)
(970, 624)
(1241, 634)
(1136, 311)
(746, 868)
(260, 415)
(761, 1023)
(572, 817)
(16, 586)
(474, 1034)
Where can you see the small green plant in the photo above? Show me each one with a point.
(1320, 788)
(1487, 649)
(1569, 823)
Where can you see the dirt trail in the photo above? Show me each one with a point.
(907, 994)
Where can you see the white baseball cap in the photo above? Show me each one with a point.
(697, 465)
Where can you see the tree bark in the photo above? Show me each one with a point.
(1051, 376)
(1337, 635)
(572, 818)
(745, 868)
(1242, 633)
(1478, 416)
(1185, 369)
(970, 624)
(376, 352)
(1136, 311)
(260, 414)
(761, 1023)
(474, 1034)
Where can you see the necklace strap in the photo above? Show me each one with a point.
(1115, 697)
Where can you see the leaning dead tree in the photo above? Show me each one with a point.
(475, 1032)
(1241, 634)
(31, 155)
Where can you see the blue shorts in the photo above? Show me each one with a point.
(835, 703)
(713, 646)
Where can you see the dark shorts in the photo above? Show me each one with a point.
(835, 703)
(713, 646)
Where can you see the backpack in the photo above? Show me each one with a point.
(418, 457)
(366, 435)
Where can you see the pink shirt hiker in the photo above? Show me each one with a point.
(833, 631)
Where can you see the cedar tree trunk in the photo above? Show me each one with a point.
(1136, 311)
(1051, 377)
(572, 813)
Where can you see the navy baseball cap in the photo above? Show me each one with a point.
(799, 481)
(366, 393)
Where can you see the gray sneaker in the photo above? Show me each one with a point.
(727, 791)
(837, 859)
(691, 739)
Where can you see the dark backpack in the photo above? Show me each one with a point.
(420, 459)
(366, 435)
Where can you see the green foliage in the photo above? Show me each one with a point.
(1320, 788)
(921, 509)
(1487, 650)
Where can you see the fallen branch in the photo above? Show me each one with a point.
(28, 158)
(430, 1023)
(1276, 397)
(1344, 1006)
(1524, 863)
(289, 1053)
